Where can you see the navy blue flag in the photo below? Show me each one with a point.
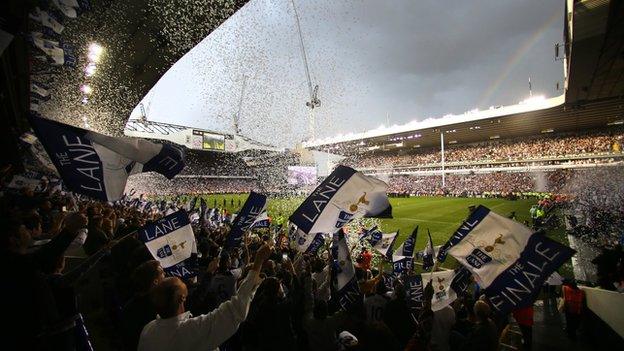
(171, 241)
(307, 243)
(262, 221)
(403, 257)
(372, 235)
(346, 288)
(253, 207)
(383, 243)
(343, 196)
(461, 280)
(97, 165)
(428, 253)
(414, 294)
(388, 280)
(507, 259)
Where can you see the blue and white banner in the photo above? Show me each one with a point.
(446, 286)
(344, 195)
(384, 244)
(414, 293)
(346, 288)
(171, 241)
(507, 259)
(388, 280)
(403, 257)
(97, 165)
(461, 280)
(307, 243)
(263, 221)
(57, 53)
(428, 253)
(47, 20)
(253, 207)
(368, 233)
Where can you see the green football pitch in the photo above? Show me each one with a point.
(441, 215)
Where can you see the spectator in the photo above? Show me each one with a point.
(176, 329)
(524, 318)
(573, 301)
(140, 310)
(443, 321)
(485, 334)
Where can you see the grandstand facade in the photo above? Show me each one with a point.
(531, 146)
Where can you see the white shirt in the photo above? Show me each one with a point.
(204, 332)
(443, 321)
(375, 306)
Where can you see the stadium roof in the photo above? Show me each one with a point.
(141, 40)
(594, 64)
(555, 117)
(594, 34)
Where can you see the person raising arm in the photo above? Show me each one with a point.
(176, 329)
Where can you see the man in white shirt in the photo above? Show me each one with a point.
(175, 329)
(375, 304)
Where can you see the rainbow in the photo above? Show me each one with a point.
(516, 56)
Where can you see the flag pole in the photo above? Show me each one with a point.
(435, 261)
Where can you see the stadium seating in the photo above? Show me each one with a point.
(599, 147)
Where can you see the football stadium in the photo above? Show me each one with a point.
(312, 175)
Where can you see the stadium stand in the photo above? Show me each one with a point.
(556, 149)
(62, 293)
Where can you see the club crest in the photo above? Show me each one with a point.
(362, 200)
(484, 253)
(168, 250)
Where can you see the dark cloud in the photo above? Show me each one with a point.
(406, 59)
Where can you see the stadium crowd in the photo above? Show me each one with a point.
(74, 267)
(153, 184)
(520, 150)
(497, 184)
(259, 297)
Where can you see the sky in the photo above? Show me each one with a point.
(376, 62)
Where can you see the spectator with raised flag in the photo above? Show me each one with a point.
(97, 165)
(344, 195)
(177, 329)
(403, 257)
(364, 259)
(253, 207)
(428, 253)
(509, 262)
(383, 243)
(346, 287)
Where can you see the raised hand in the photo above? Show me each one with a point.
(262, 255)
